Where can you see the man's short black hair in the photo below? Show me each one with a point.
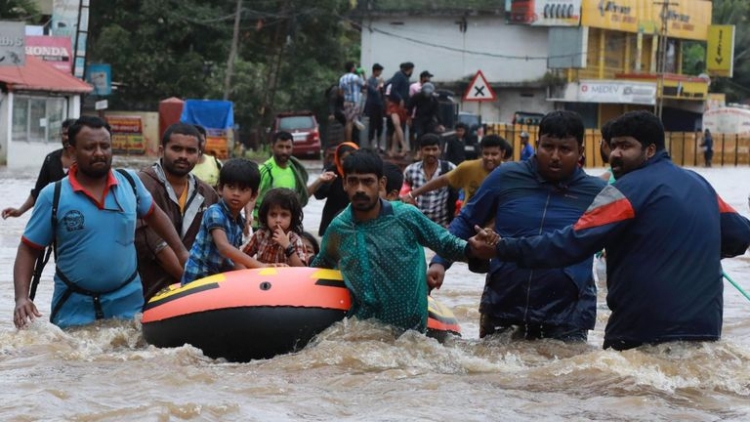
(562, 124)
(240, 172)
(67, 123)
(607, 131)
(92, 122)
(462, 125)
(349, 67)
(394, 177)
(181, 129)
(493, 141)
(406, 66)
(363, 161)
(282, 136)
(428, 140)
(202, 131)
(376, 67)
(642, 125)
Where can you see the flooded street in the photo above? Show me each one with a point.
(356, 371)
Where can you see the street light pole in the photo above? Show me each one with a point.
(661, 65)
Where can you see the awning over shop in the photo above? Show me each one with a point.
(38, 75)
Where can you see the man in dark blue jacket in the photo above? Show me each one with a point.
(665, 231)
(526, 198)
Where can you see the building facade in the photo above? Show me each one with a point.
(34, 101)
(453, 43)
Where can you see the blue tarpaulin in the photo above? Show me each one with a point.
(211, 114)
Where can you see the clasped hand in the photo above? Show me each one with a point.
(483, 243)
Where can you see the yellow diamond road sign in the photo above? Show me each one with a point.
(720, 50)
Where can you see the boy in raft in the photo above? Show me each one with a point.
(216, 248)
(377, 245)
(277, 240)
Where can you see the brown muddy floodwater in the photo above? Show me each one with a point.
(356, 371)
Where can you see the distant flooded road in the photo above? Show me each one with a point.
(356, 371)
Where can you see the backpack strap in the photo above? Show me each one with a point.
(130, 180)
(43, 258)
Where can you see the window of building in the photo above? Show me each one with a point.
(38, 118)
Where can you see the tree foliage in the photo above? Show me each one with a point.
(25, 10)
(288, 52)
(737, 13)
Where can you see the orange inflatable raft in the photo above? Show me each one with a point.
(260, 313)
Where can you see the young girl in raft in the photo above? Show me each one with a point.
(277, 240)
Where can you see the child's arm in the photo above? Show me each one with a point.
(290, 250)
(227, 250)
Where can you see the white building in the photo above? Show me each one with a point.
(34, 101)
(513, 58)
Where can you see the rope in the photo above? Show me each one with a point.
(737, 286)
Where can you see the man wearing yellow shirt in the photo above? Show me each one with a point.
(469, 175)
(207, 168)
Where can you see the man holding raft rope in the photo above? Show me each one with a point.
(665, 231)
(525, 198)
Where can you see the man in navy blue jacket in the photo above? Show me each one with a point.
(665, 231)
(526, 198)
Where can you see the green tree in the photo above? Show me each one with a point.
(25, 10)
(289, 52)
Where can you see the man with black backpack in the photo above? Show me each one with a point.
(438, 205)
(90, 217)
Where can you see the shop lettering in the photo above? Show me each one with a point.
(677, 17)
(605, 89)
(612, 7)
(46, 51)
(11, 41)
(559, 11)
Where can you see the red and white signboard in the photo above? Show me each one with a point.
(55, 50)
(479, 89)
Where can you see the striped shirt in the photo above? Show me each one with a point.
(352, 85)
(433, 204)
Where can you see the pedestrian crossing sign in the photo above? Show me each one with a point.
(479, 89)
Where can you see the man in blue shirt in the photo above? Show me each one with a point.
(351, 86)
(93, 230)
(527, 151)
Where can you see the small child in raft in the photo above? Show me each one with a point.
(277, 240)
(216, 247)
(312, 247)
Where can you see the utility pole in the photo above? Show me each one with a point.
(233, 51)
(661, 65)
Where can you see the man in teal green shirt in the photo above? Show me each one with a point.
(377, 245)
(282, 170)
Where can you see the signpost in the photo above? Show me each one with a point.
(479, 90)
(12, 44)
(720, 51)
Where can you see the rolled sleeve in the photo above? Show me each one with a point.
(38, 232)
